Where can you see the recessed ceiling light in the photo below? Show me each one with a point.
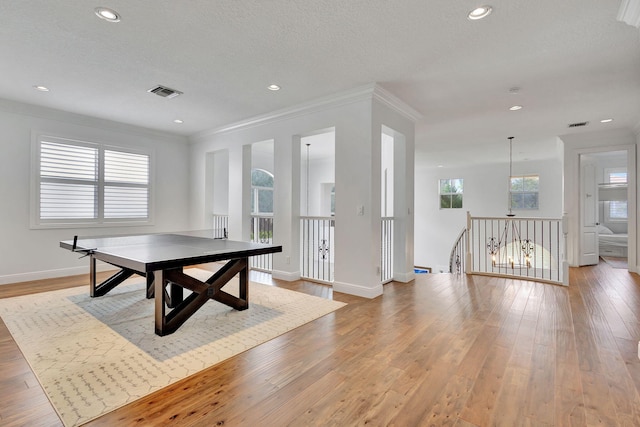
(273, 87)
(440, 166)
(479, 13)
(41, 88)
(178, 121)
(606, 120)
(516, 108)
(107, 14)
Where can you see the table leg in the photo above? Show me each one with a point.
(159, 302)
(243, 291)
(92, 276)
(168, 321)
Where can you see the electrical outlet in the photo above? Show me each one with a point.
(287, 260)
(360, 210)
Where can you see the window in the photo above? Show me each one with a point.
(616, 210)
(81, 182)
(450, 193)
(523, 192)
(261, 192)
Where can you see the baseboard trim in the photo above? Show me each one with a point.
(51, 274)
(288, 276)
(357, 290)
(404, 277)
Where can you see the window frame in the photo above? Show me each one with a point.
(255, 194)
(457, 193)
(523, 193)
(607, 204)
(36, 222)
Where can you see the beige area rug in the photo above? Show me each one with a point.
(616, 262)
(93, 355)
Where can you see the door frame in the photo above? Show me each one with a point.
(572, 200)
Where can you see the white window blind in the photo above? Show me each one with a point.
(617, 209)
(84, 182)
(68, 181)
(126, 177)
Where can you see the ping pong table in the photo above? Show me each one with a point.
(161, 258)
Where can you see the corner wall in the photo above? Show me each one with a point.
(31, 254)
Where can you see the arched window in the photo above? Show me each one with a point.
(261, 192)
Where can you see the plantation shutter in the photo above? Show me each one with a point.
(68, 181)
(126, 185)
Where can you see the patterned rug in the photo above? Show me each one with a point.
(93, 355)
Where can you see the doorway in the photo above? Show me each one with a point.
(604, 208)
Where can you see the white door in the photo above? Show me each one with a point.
(588, 211)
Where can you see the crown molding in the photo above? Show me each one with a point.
(629, 12)
(360, 93)
(395, 103)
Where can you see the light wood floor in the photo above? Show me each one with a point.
(443, 350)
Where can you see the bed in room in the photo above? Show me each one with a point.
(612, 244)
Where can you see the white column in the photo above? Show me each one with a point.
(357, 230)
(216, 195)
(240, 192)
(286, 199)
(403, 211)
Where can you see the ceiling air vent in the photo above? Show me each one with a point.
(165, 92)
(578, 124)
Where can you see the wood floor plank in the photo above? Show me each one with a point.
(599, 408)
(512, 398)
(624, 397)
(443, 350)
(540, 405)
(629, 353)
(446, 411)
(481, 403)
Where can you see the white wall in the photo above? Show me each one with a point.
(217, 183)
(30, 254)
(262, 156)
(485, 194)
(321, 171)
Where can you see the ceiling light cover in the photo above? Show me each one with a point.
(479, 13)
(516, 108)
(41, 88)
(107, 14)
(178, 121)
(273, 87)
(606, 120)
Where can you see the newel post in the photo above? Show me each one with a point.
(565, 263)
(467, 238)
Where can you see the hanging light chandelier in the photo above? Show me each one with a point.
(509, 250)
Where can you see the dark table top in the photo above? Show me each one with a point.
(151, 252)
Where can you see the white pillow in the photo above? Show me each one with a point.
(604, 230)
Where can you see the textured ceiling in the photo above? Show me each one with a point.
(572, 60)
